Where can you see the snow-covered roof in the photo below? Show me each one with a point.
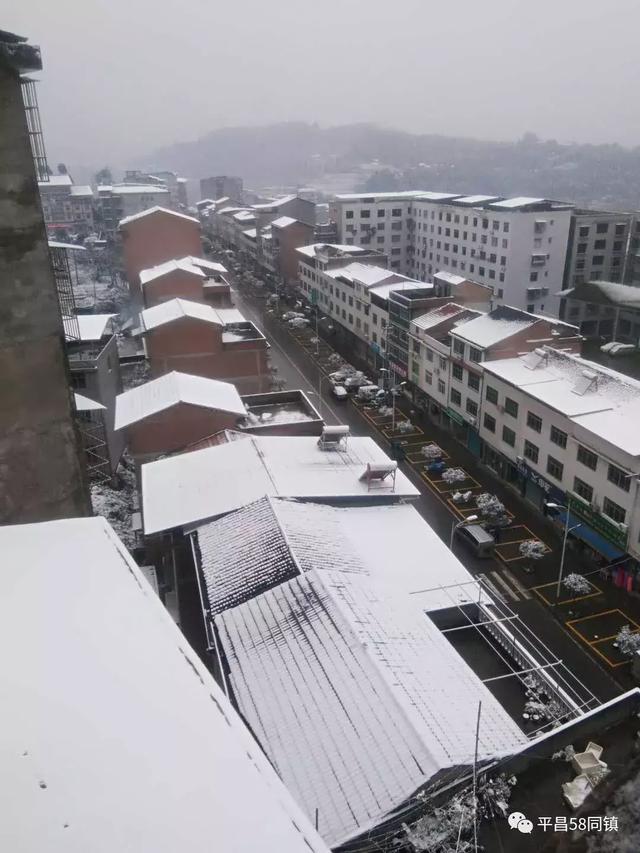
(229, 316)
(71, 247)
(386, 196)
(184, 264)
(449, 277)
(276, 203)
(244, 216)
(334, 652)
(316, 248)
(477, 199)
(366, 274)
(170, 390)
(82, 191)
(383, 290)
(250, 233)
(598, 400)
(438, 315)
(92, 327)
(205, 264)
(283, 221)
(178, 309)
(229, 209)
(139, 189)
(605, 293)
(518, 201)
(84, 404)
(206, 483)
(157, 209)
(56, 181)
(115, 736)
(496, 326)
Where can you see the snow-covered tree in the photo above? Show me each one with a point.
(454, 475)
(576, 584)
(627, 641)
(490, 507)
(431, 452)
(541, 706)
(335, 359)
(404, 426)
(532, 549)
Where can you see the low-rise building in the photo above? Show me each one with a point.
(221, 185)
(128, 701)
(154, 236)
(597, 246)
(95, 373)
(564, 429)
(192, 337)
(173, 411)
(287, 235)
(604, 310)
(116, 202)
(67, 207)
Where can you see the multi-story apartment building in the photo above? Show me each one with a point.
(67, 208)
(597, 246)
(41, 455)
(450, 346)
(564, 429)
(222, 185)
(517, 246)
(603, 310)
(119, 201)
(632, 265)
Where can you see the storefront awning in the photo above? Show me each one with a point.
(591, 537)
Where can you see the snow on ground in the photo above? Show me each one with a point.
(98, 292)
(115, 503)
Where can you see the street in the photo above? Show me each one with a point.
(296, 369)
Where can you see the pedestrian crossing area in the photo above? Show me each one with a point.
(505, 586)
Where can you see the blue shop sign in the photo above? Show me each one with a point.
(553, 493)
(375, 348)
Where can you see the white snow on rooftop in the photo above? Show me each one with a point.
(477, 199)
(283, 221)
(185, 264)
(244, 216)
(250, 233)
(383, 290)
(84, 404)
(82, 191)
(72, 247)
(204, 484)
(56, 181)
(519, 201)
(156, 209)
(603, 402)
(229, 316)
(276, 203)
(316, 248)
(388, 196)
(366, 274)
(92, 326)
(170, 390)
(439, 315)
(115, 736)
(139, 189)
(205, 264)
(449, 277)
(178, 309)
(491, 328)
(431, 196)
(334, 652)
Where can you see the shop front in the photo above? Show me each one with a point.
(601, 535)
(536, 489)
(500, 465)
(458, 427)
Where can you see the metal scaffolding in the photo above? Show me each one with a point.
(94, 440)
(64, 287)
(36, 137)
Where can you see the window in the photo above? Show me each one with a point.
(581, 249)
(472, 407)
(511, 407)
(365, 214)
(456, 397)
(351, 318)
(473, 381)
(458, 346)
(457, 372)
(349, 214)
(602, 227)
(617, 246)
(584, 231)
(492, 395)
(429, 353)
(381, 212)
(396, 251)
(475, 355)
(619, 478)
(396, 211)
(597, 260)
(533, 276)
(600, 244)
(620, 229)
(613, 511)
(558, 437)
(508, 436)
(534, 422)
(531, 451)
(583, 490)
(554, 468)
(489, 423)
(441, 387)
(587, 457)
(428, 377)
(443, 363)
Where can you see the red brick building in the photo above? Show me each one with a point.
(175, 278)
(173, 411)
(154, 236)
(195, 338)
(289, 234)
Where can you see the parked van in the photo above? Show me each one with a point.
(478, 539)
(339, 392)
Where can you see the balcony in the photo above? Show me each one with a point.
(538, 260)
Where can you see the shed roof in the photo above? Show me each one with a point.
(185, 264)
(178, 309)
(115, 736)
(153, 210)
(283, 221)
(84, 404)
(92, 327)
(170, 390)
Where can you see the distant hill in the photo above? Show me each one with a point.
(298, 153)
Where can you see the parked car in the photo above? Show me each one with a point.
(477, 539)
(339, 392)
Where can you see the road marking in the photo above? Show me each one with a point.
(512, 595)
(514, 580)
(487, 581)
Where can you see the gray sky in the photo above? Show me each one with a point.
(122, 78)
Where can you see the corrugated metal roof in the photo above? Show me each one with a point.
(136, 746)
(173, 388)
(178, 309)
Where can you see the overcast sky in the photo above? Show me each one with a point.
(122, 78)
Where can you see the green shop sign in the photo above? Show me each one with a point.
(454, 416)
(598, 522)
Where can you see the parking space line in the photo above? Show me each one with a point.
(514, 580)
(504, 585)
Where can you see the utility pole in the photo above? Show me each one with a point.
(475, 782)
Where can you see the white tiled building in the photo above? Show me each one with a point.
(516, 245)
(569, 426)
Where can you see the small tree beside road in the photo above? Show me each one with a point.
(576, 584)
(627, 641)
(532, 550)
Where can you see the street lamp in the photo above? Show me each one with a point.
(469, 520)
(394, 393)
(567, 531)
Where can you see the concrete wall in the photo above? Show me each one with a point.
(289, 239)
(174, 429)
(155, 239)
(178, 282)
(41, 458)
